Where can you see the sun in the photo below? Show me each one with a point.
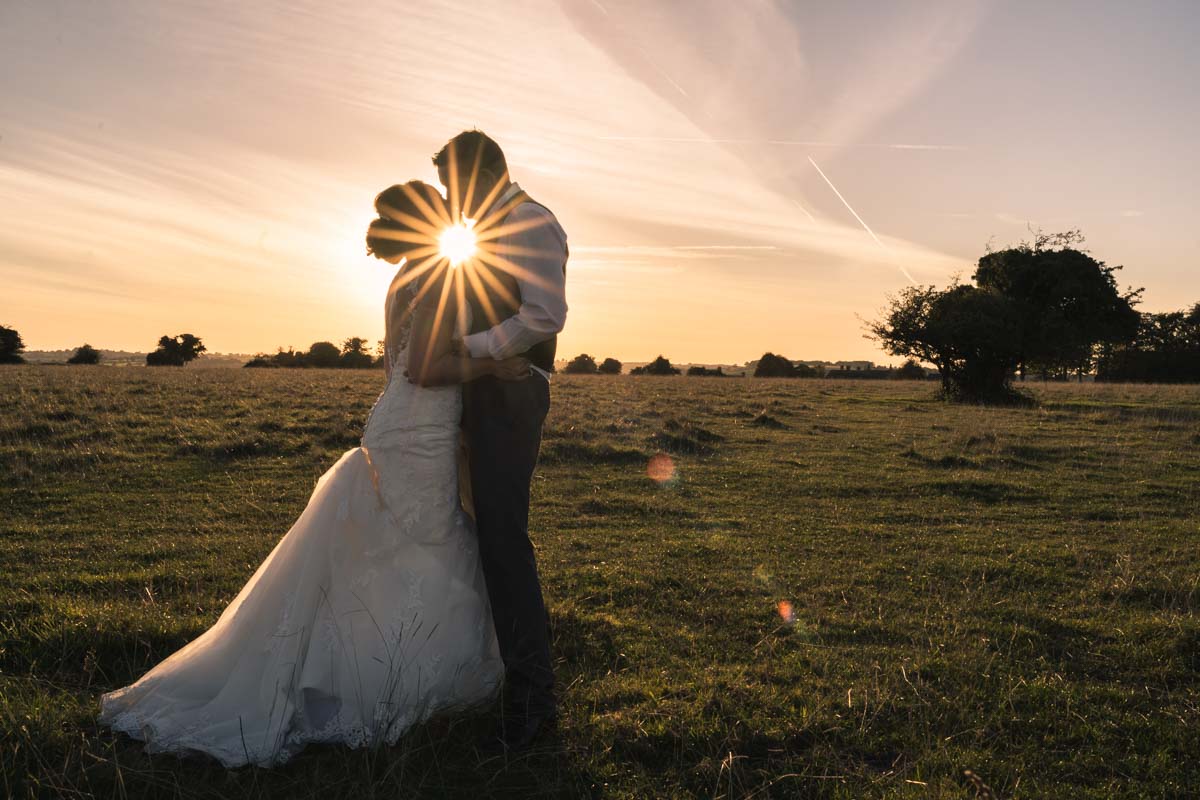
(457, 243)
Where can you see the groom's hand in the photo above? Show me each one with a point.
(512, 369)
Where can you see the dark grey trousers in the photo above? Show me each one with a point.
(503, 425)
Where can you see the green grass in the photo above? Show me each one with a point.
(1008, 591)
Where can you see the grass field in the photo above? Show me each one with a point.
(848, 589)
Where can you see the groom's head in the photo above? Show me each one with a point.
(472, 152)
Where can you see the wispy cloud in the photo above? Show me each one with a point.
(787, 143)
(232, 199)
(1012, 219)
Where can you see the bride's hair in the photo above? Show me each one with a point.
(399, 206)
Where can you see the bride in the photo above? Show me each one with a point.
(371, 614)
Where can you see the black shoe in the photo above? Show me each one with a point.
(516, 732)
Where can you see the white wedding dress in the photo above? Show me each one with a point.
(368, 617)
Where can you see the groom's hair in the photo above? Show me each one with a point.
(397, 207)
(466, 145)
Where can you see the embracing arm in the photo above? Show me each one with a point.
(431, 360)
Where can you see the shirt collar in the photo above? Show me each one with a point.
(509, 193)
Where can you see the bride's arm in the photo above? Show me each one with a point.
(431, 360)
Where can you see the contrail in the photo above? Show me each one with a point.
(866, 227)
(807, 213)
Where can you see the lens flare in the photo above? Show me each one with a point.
(457, 243)
(786, 612)
(661, 468)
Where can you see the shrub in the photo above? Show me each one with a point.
(659, 366)
(86, 354)
(582, 364)
(609, 366)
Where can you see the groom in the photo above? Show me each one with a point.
(518, 306)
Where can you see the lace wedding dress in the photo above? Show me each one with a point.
(369, 616)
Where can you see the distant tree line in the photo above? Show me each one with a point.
(1164, 349)
(353, 354)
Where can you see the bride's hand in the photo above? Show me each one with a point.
(512, 369)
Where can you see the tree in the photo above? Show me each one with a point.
(659, 366)
(910, 370)
(86, 354)
(175, 351)
(773, 366)
(1067, 303)
(609, 366)
(582, 364)
(970, 334)
(705, 372)
(322, 354)
(1041, 305)
(11, 346)
(354, 353)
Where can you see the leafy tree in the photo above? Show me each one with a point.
(1067, 303)
(970, 334)
(705, 372)
(86, 354)
(322, 354)
(609, 366)
(175, 351)
(659, 366)
(1043, 305)
(354, 353)
(910, 370)
(773, 366)
(11, 346)
(582, 364)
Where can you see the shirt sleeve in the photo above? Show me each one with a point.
(540, 253)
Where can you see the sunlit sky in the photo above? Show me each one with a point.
(210, 166)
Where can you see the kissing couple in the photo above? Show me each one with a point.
(396, 595)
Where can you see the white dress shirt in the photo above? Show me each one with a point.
(543, 310)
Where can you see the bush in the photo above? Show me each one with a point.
(322, 354)
(773, 366)
(659, 366)
(705, 372)
(609, 366)
(910, 370)
(86, 354)
(582, 364)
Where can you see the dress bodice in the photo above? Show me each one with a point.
(398, 307)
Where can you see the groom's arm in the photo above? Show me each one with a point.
(539, 252)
